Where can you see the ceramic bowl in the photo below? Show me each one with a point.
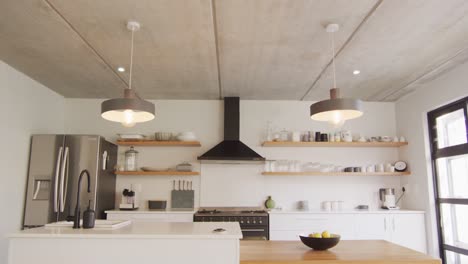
(386, 139)
(186, 136)
(320, 243)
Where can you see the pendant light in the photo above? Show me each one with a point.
(130, 109)
(335, 110)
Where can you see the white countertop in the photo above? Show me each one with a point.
(152, 211)
(346, 211)
(155, 230)
(311, 211)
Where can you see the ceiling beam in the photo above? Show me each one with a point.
(215, 32)
(345, 44)
(438, 69)
(99, 56)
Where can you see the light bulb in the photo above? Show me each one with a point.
(337, 119)
(129, 118)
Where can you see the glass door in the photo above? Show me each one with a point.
(448, 128)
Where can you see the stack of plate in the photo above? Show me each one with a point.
(153, 169)
(131, 136)
(162, 136)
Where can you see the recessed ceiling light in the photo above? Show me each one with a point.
(356, 72)
(121, 69)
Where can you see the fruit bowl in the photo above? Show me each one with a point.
(318, 243)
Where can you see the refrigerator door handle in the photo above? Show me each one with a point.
(64, 180)
(57, 173)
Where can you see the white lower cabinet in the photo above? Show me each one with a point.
(152, 217)
(372, 226)
(289, 226)
(405, 229)
(409, 231)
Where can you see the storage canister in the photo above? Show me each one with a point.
(131, 157)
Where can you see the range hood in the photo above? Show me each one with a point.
(231, 148)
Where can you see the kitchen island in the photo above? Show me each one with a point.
(139, 242)
(347, 251)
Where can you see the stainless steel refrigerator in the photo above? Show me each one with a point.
(55, 164)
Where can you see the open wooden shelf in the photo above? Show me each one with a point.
(336, 173)
(334, 144)
(159, 173)
(155, 143)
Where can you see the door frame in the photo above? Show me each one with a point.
(437, 153)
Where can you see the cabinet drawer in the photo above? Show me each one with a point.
(297, 221)
(152, 217)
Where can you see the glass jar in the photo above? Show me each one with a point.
(131, 157)
(284, 135)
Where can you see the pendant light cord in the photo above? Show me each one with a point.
(131, 62)
(333, 59)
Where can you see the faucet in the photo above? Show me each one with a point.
(76, 220)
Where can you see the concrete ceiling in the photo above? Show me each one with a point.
(255, 49)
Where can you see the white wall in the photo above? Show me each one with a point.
(244, 185)
(234, 185)
(26, 107)
(411, 113)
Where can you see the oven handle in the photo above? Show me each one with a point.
(252, 230)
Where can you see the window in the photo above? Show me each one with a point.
(448, 127)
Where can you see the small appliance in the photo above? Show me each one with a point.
(387, 199)
(130, 198)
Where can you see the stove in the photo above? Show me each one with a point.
(253, 221)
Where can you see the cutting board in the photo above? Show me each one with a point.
(182, 199)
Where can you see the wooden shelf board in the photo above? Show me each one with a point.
(336, 173)
(332, 144)
(155, 143)
(159, 173)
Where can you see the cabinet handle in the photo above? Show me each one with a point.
(393, 222)
(385, 224)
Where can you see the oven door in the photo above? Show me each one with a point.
(255, 233)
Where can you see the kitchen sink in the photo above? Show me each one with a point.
(99, 224)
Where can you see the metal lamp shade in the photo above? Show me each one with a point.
(113, 109)
(327, 110)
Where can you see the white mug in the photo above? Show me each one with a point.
(337, 137)
(335, 205)
(296, 136)
(402, 139)
(346, 136)
(388, 167)
(370, 168)
(380, 167)
(395, 139)
(363, 169)
(326, 206)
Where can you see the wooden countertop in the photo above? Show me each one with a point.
(347, 251)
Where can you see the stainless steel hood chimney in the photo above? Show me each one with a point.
(231, 149)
